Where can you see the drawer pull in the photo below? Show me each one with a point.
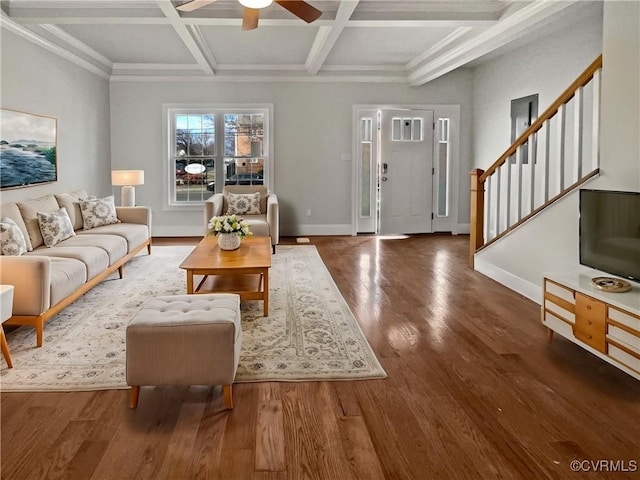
(588, 307)
(589, 322)
(589, 337)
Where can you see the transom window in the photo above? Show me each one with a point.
(213, 147)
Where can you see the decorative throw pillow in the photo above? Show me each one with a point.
(243, 203)
(98, 212)
(12, 240)
(55, 226)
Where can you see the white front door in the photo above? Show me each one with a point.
(406, 173)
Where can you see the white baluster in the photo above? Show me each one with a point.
(498, 175)
(577, 134)
(595, 136)
(508, 195)
(487, 209)
(545, 162)
(518, 199)
(562, 121)
(533, 152)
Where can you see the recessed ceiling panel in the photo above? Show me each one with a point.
(384, 46)
(133, 43)
(267, 45)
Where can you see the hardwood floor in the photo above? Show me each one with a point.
(474, 391)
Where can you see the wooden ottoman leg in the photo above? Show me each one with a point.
(5, 348)
(228, 397)
(135, 393)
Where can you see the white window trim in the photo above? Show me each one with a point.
(169, 109)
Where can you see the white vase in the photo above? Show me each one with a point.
(228, 241)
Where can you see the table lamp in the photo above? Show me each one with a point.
(127, 179)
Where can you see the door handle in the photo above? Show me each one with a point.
(385, 167)
(384, 179)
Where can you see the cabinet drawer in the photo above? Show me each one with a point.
(558, 291)
(593, 339)
(624, 318)
(587, 307)
(624, 358)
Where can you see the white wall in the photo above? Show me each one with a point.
(549, 242)
(312, 126)
(546, 67)
(37, 81)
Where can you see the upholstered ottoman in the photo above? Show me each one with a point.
(185, 340)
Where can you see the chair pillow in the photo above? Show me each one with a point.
(243, 203)
(98, 212)
(12, 240)
(55, 226)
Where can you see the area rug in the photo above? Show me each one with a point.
(310, 333)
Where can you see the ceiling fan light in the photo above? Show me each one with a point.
(256, 3)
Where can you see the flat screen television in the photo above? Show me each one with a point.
(610, 232)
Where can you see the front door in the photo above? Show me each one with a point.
(406, 171)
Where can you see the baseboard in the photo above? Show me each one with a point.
(462, 229)
(312, 230)
(523, 287)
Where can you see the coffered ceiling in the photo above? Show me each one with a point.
(407, 41)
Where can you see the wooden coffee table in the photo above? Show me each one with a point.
(244, 271)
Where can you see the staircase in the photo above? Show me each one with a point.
(562, 153)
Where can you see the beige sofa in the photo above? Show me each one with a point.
(47, 279)
(265, 224)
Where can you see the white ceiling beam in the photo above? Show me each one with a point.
(506, 30)
(202, 44)
(78, 45)
(438, 47)
(327, 37)
(92, 20)
(186, 36)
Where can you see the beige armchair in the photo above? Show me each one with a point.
(263, 225)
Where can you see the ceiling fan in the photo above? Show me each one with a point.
(299, 8)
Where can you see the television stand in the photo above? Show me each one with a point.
(604, 323)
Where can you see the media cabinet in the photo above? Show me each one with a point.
(605, 324)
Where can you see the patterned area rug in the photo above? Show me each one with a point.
(310, 333)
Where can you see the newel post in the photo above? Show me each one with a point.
(477, 213)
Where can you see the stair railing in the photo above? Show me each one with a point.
(519, 185)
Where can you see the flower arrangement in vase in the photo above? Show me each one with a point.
(230, 229)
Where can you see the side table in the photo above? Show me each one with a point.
(6, 310)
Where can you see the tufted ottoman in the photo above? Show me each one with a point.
(185, 340)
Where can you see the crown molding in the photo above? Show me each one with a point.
(11, 26)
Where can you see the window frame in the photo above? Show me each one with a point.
(169, 111)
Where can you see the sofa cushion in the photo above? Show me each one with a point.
(261, 189)
(243, 203)
(134, 233)
(67, 275)
(95, 259)
(114, 245)
(55, 226)
(11, 210)
(71, 201)
(258, 225)
(98, 212)
(12, 240)
(29, 210)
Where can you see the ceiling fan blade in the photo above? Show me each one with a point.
(301, 9)
(250, 18)
(193, 5)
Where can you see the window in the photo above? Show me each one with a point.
(210, 147)
(443, 160)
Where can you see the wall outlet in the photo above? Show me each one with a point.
(308, 212)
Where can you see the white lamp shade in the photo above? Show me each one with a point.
(127, 177)
(256, 3)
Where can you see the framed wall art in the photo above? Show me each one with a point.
(28, 149)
